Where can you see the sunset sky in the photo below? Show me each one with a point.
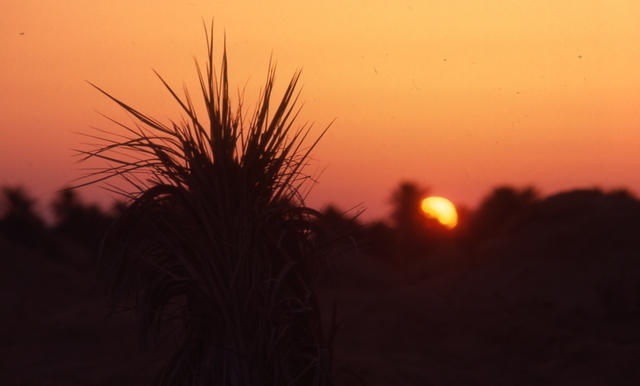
(459, 96)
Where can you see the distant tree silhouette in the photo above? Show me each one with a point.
(584, 222)
(377, 239)
(407, 215)
(373, 239)
(339, 220)
(411, 225)
(19, 221)
(496, 210)
(85, 224)
(622, 193)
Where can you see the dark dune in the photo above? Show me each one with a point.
(554, 299)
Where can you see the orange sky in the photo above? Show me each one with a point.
(456, 95)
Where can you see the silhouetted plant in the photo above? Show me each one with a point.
(414, 230)
(582, 224)
(496, 210)
(343, 229)
(85, 224)
(377, 239)
(218, 238)
(406, 200)
(19, 220)
(622, 193)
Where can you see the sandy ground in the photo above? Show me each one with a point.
(441, 321)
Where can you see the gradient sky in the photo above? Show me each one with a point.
(459, 96)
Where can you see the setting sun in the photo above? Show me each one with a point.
(442, 210)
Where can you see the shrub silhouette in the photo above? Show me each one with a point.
(416, 234)
(85, 224)
(217, 237)
(338, 219)
(590, 232)
(343, 230)
(582, 223)
(495, 211)
(406, 215)
(377, 239)
(19, 221)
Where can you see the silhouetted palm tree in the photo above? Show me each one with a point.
(406, 201)
(410, 223)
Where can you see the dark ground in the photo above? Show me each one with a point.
(499, 325)
(543, 305)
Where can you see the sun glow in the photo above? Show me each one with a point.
(442, 210)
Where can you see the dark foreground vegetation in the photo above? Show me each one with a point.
(527, 290)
